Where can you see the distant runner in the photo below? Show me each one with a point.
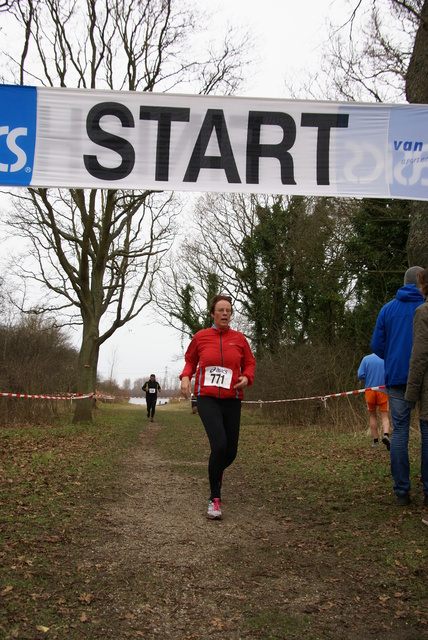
(151, 387)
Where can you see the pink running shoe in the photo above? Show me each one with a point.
(214, 511)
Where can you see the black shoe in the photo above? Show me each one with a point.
(386, 441)
(148, 414)
(402, 500)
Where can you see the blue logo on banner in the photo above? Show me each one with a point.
(18, 121)
(408, 143)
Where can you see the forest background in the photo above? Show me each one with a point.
(307, 275)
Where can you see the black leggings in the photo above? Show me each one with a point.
(151, 400)
(221, 419)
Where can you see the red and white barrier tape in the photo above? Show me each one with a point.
(59, 396)
(65, 396)
(323, 398)
(79, 396)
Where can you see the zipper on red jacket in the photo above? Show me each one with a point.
(221, 358)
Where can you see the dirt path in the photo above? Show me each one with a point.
(176, 575)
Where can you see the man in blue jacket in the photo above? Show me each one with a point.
(392, 341)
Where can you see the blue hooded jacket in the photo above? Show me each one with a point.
(393, 334)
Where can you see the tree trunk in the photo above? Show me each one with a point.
(417, 91)
(417, 73)
(417, 242)
(87, 373)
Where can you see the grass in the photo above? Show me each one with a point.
(50, 477)
(341, 487)
(53, 477)
(276, 623)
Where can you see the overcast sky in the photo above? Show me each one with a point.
(289, 37)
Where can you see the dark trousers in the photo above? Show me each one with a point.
(221, 419)
(151, 399)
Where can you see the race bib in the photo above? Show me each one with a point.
(151, 390)
(218, 377)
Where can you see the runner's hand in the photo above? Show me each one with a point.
(186, 389)
(242, 382)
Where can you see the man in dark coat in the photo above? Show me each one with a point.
(151, 387)
(417, 381)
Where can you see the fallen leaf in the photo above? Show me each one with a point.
(217, 623)
(86, 597)
(40, 627)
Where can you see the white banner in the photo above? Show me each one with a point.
(127, 140)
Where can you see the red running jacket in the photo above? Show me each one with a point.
(219, 357)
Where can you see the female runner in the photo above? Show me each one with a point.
(224, 365)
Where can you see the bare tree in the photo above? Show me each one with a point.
(6, 5)
(209, 257)
(121, 44)
(368, 56)
(264, 251)
(99, 251)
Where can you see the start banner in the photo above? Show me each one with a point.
(84, 138)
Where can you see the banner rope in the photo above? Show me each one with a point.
(323, 398)
(95, 394)
(65, 396)
(57, 396)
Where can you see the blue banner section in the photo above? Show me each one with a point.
(18, 122)
(408, 137)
